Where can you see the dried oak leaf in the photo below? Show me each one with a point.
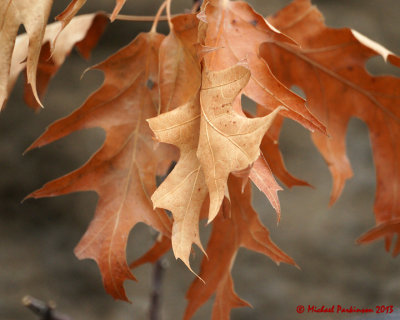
(184, 190)
(271, 162)
(242, 229)
(33, 15)
(228, 141)
(224, 26)
(180, 76)
(123, 171)
(329, 66)
(83, 32)
(263, 178)
(385, 229)
(270, 149)
(75, 5)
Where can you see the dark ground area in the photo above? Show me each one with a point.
(37, 237)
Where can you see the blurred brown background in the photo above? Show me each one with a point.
(37, 237)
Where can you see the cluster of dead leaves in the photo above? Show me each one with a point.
(177, 98)
(38, 51)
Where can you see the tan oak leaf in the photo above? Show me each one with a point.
(33, 15)
(83, 32)
(228, 141)
(184, 190)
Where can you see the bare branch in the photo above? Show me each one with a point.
(45, 311)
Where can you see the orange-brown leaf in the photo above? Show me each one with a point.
(263, 178)
(180, 77)
(228, 25)
(270, 149)
(123, 171)
(384, 230)
(329, 66)
(69, 13)
(242, 229)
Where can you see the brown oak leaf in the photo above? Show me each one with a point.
(180, 76)
(123, 171)
(271, 162)
(329, 66)
(75, 5)
(263, 178)
(385, 229)
(270, 149)
(242, 229)
(225, 24)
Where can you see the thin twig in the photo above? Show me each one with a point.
(196, 5)
(125, 17)
(158, 269)
(155, 304)
(45, 311)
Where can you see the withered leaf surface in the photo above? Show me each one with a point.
(33, 15)
(228, 24)
(184, 190)
(329, 66)
(228, 141)
(69, 13)
(263, 178)
(242, 229)
(270, 149)
(83, 32)
(157, 84)
(271, 163)
(123, 171)
(180, 77)
(75, 5)
(385, 229)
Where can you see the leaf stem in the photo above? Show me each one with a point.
(157, 17)
(127, 17)
(171, 26)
